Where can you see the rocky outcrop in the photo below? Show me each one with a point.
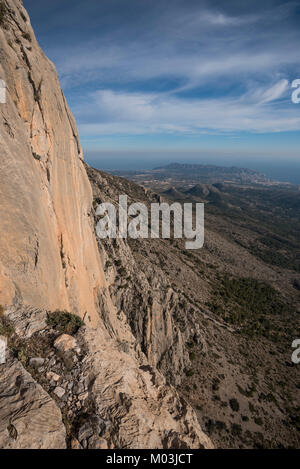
(142, 410)
(48, 254)
(102, 384)
(106, 391)
(29, 418)
(162, 319)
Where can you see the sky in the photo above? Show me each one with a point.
(176, 80)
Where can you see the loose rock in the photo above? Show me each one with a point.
(65, 343)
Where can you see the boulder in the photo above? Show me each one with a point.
(65, 343)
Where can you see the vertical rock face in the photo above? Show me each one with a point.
(49, 259)
(48, 253)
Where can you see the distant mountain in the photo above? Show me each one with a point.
(202, 190)
(174, 193)
(212, 173)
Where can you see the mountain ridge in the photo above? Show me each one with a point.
(77, 377)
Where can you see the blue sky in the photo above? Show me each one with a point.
(210, 78)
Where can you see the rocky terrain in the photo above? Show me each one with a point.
(132, 343)
(218, 322)
(98, 390)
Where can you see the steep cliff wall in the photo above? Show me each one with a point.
(49, 259)
(48, 254)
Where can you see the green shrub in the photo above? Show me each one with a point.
(236, 430)
(235, 406)
(64, 322)
(251, 407)
(5, 328)
(249, 304)
(220, 426)
(22, 357)
(122, 272)
(258, 421)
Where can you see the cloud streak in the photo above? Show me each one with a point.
(110, 112)
(184, 67)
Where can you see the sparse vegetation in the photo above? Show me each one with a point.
(122, 272)
(64, 322)
(248, 303)
(258, 421)
(235, 406)
(5, 328)
(235, 376)
(236, 430)
(3, 12)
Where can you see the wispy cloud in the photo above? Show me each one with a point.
(181, 67)
(275, 92)
(109, 112)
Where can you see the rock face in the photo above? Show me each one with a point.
(107, 391)
(162, 319)
(143, 412)
(49, 260)
(29, 417)
(48, 254)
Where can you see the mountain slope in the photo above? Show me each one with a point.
(81, 386)
(218, 322)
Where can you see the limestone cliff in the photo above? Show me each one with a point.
(48, 254)
(49, 260)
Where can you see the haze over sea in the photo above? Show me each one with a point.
(277, 169)
(186, 81)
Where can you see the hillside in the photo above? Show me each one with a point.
(218, 322)
(75, 373)
(135, 344)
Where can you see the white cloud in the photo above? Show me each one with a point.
(126, 113)
(197, 51)
(275, 92)
(192, 46)
(124, 105)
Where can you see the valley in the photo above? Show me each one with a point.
(218, 322)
